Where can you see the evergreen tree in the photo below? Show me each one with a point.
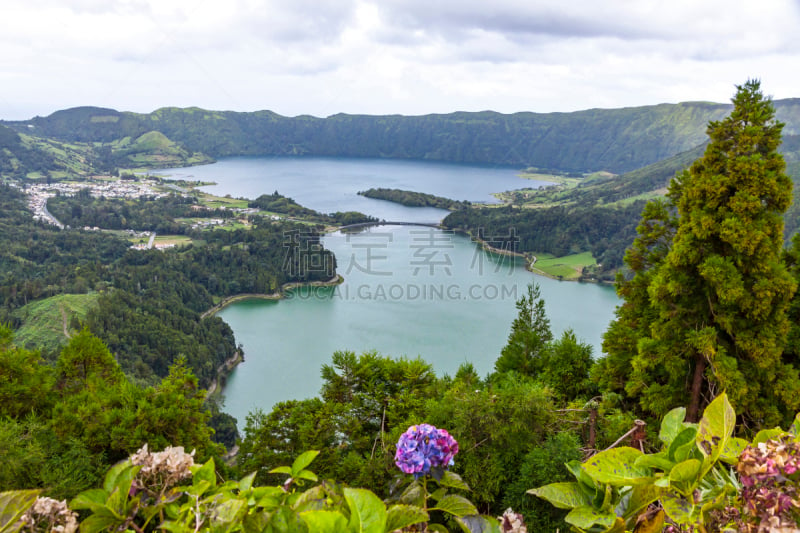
(526, 350)
(715, 315)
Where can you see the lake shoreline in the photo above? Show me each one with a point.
(277, 295)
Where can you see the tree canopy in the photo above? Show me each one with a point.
(708, 312)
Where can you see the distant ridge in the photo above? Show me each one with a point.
(615, 140)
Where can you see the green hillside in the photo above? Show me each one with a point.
(48, 324)
(614, 140)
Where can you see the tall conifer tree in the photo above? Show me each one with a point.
(718, 299)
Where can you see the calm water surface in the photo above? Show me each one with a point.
(331, 184)
(409, 291)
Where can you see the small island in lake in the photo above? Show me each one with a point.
(415, 199)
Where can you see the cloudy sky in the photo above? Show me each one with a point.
(322, 57)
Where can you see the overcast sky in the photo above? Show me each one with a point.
(322, 57)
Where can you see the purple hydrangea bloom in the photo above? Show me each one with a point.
(423, 447)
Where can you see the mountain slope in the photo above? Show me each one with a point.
(614, 140)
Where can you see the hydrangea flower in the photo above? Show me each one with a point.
(423, 447)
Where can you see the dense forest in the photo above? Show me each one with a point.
(143, 214)
(150, 303)
(606, 232)
(277, 203)
(414, 199)
(615, 140)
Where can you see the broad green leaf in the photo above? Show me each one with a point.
(118, 499)
(254, 522)
(478, 524)
(733, 449)
(177, 527)
(226, 515)
(306, 474)
(617, 527)
(453, 480)
(285, 520)
(575, 469)
(684, 476)
(13, 505)
(685, 471)
(401, 516)
(640, 497)
(413, 495)
(794, 429)
(455, 505)
(437, 528)
(679, 509)
(367, 511)
(438, 494)
(303, 461)
(671, 425)
(617, 467)
(281, 470)
(562, 495)
(246, 483)
(96, 523)
(768, 434)
(311, 499)
(655, 460)
(609, 497)
(586, 517)
(324, 521)
(110, 481)
(682, 445)
(205, 473)
(715, 428)
(91, 499)
(198, 488)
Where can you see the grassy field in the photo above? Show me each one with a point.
(568, 267)
(45, 321)
(174, 240)
(211, 201)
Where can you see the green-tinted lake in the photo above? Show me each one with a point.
(408, 291)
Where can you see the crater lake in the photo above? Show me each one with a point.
(408, 291)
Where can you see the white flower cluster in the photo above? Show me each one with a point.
(50, 515)
(169, 465)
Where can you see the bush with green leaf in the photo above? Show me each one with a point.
(690, 484)
(166, 491)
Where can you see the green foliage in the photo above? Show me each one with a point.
(495, 426)
(567, 367)
(560, 230)
(144, 493)
(615, 139)
(688, 478)
(25, 381)
(710, 310)
(543, 464)
(277, 203)
(143, 214)
(13, 505)
(526, 350)
(414, 199)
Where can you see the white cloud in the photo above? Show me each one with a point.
(390, 56)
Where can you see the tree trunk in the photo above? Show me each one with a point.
(592, 428)
(693, 411)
